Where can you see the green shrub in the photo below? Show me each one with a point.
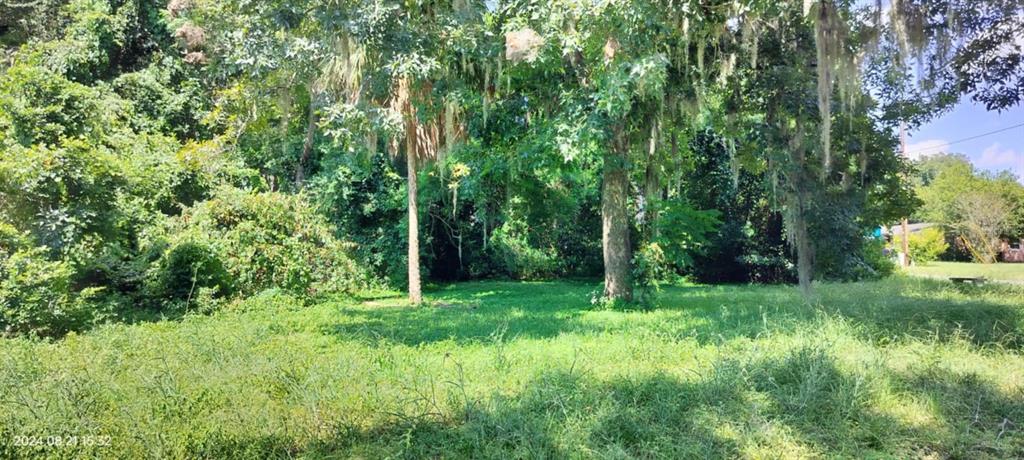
(682, 232)
(366, 202)
(520, 260)
(86, 182)
(650, 269)
(36, 296)
(184, 268)
(874, 256)
(772, 266)
(10, 238)
(927, 245)
(42, 107)
(271, 300)
(241, 243)
(60, 194)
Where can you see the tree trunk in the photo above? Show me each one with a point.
(285, 104)
(307, 146)
(799, 201)
(615, 222)
(804, 250)
(652, 185)
(906, 244)
(415, 293)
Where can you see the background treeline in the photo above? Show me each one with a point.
(972, 213)
(158, 158)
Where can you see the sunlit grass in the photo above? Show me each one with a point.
(893, 369)
(998, 271)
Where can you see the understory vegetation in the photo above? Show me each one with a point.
(906, 368)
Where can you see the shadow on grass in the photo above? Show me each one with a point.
(992, 315)
(468, 312)
(978, 419)
(881, 311)
(799, 405)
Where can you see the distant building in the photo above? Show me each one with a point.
(897, 230)
(1012, 251)
(894, 234)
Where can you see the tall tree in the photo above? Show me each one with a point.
(369, 67)
(420, 56)
(633, 65)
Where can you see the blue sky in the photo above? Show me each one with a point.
(996, 152)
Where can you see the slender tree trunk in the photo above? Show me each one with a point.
(652, 185)
(804, 251)
(307, 146)
(800, 200)
(415, 292)
(615, 222)
(286, 148)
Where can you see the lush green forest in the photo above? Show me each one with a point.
(177, 173)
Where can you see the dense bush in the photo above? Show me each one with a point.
(241, 243)
(876, 258)
(749, 245)
(516, 257)
(183, 269)
(62, 195)
(87, 176)
(366, 202)
(36, 295)
(842, 248)
(927, 245)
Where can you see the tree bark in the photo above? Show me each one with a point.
(804, 250)
(615, 242)
(799, 200)
(307, 146)
(415, 292)
(652, 185)
(285, 104)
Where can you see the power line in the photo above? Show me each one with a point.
(947, 144)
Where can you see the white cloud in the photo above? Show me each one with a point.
(928, 147)
(998, 158)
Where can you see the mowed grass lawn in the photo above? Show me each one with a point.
(901, 368)
(998, 272)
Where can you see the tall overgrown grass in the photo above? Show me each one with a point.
(893, 369)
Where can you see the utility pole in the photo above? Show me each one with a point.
(905, 261)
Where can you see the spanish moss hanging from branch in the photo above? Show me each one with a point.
(826, 45)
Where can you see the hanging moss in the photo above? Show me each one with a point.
(837, 66)
(727, 66)
(700, 58)
(825, 45)
(343, 69)
(497, 80)
(749, 37)
(523, 45)
(485, 94)
(797, 205)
